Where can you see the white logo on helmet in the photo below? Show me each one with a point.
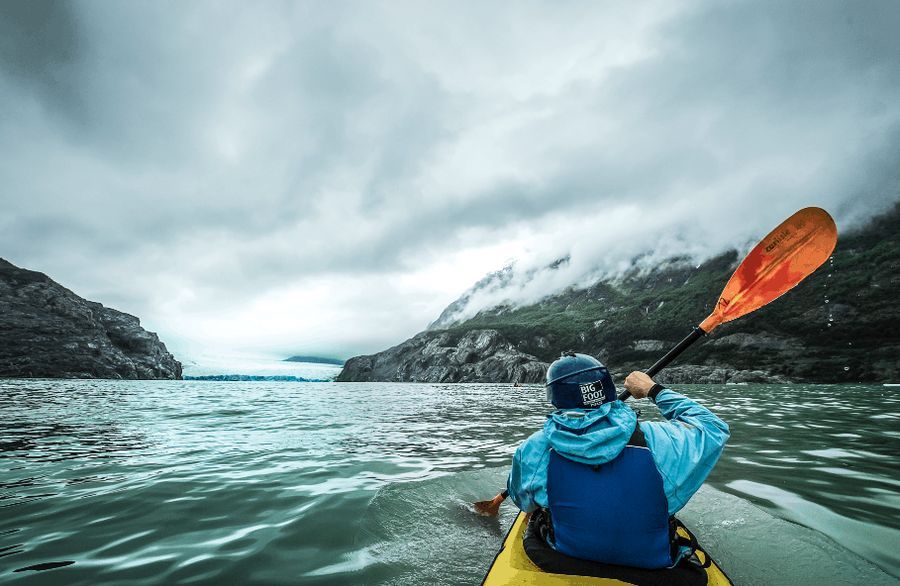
(592, 394)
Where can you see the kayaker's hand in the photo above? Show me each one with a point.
(638, 384)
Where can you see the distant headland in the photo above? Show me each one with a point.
(255, 378)
(315, 360)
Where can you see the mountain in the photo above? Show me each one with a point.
(49, 331)
(315, 360)
(491, 285)
(841, 324)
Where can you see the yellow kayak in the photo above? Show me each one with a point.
(512, 566)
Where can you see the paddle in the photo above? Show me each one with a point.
(787, 255)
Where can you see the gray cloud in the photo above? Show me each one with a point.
(178, 159)
(39, 44)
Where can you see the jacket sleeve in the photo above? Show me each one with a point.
(686, 447)
(527, 482)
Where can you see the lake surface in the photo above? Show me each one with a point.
(152, 482)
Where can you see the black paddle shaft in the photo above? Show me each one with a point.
(671, 355)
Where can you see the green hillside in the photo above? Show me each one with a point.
(841, 324)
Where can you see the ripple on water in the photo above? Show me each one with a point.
(171, 482)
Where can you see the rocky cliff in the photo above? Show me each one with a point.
(842, 324)
(48, 331)
(442, 357)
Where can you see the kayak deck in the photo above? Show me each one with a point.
(513, 566)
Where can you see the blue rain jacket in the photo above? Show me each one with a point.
(685, 448)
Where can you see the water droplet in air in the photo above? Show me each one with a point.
(826, 301)
(846, 368)
(829, 324)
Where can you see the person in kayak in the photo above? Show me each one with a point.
(609, 483)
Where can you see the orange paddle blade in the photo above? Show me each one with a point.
(490, 508)
(789, 254)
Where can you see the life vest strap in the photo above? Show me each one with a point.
(637, 439)
(690, 541)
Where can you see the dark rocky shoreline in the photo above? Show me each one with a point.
(47, 331)
(486, 356)
(440, 357)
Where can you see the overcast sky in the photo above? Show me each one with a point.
(325, 177)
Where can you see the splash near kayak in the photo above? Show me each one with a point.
(512, 565)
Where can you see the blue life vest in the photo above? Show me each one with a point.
(614, 512)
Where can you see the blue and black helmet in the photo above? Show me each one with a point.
(579, 381)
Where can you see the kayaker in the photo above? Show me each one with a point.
(607, 484)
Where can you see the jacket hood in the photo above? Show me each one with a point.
(591, 436)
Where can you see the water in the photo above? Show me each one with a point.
(322, 483)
